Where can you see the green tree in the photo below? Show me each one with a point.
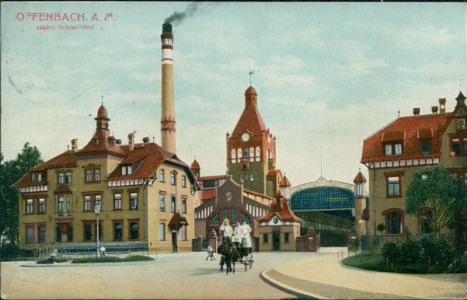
(435, 187)
(10, 172)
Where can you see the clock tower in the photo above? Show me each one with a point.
(251, 151)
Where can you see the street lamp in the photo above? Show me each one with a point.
(97, 210)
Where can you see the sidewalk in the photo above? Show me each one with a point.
(324, 277)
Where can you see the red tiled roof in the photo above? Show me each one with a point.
(103, 145)
(250, 119)
(207, 194)
(408, 130)
(282, 210)
(215, 177)
(64, 160)
(359, 178)
(285, 182)
(274, 172)
(195, 165)
(149, 156)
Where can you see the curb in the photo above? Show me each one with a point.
(288, 289)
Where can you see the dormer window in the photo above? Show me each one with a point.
(393, 149)
(127, 170)
(358, 189)
(425, 146)
(36, 176)
(460, 124)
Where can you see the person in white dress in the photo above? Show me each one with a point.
(245, 231)
(226, 230)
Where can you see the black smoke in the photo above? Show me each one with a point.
(177, 17)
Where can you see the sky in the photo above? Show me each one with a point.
(328, 75)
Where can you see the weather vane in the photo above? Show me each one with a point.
(251, 73)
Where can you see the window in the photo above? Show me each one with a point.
(173, 204)
(29, 234)
(393, 222)
(162, 202)
(161, 176)
(118, 201)
(460, 124)
(162, 232)
(87, 203)
(265, 238)
(183, 181)
(173, 178)
(393, 186)
(36, 176)
(68, 177)
(425, 147)
(134, 230)
(133, 201)
(286, 238)
(393, 149)
(118, 231)
(258, 153)
(61, 178)
(68, 203)
(181, 236)
(92, 175)
(233, 157)
(41, 234)
(88, 174)
(245, 152)
(98, 200)
(183, 205)
(252, 154)
(358, 189)
(239, 154)
(41, 205)
(29, 206)
(127, 170)
(87, 232)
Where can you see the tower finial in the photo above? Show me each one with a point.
(102, 97)
(252, 72)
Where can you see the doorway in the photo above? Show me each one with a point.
(276, 240)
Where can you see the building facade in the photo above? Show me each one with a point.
(402, 148)
(138, 186)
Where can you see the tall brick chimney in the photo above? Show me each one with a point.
(168, 141)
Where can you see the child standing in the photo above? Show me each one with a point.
(210, 253)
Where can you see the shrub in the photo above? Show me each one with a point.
(108, 259)
(392, 252)
(411, 251)
(51, 260)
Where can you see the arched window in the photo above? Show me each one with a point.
(233, 157)
(183, 181)
(258, 154)
(239, 154)
(173, 178)
(214, 220)
(245, 152)
(161, 175)
(394, 221)
(252, 154)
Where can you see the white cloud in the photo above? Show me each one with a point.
(420, 38)
(434, 69)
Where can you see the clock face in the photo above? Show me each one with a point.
(245, 137)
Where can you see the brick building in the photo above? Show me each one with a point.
(402, 148)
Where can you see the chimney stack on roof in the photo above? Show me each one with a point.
(74, 145)
(131, 141)
(434, 109)
(442, 105)
(146, 140)
(416, 111)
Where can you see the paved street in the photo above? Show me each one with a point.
(171, 276)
